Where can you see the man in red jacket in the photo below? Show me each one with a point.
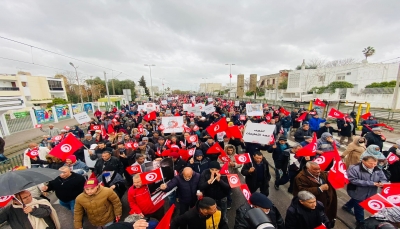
(140, 202)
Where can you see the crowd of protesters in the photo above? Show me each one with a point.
(124, 137)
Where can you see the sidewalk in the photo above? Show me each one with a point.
(19, 141)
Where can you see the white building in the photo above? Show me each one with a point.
(154, 90)
(210, 87)
(300, 82)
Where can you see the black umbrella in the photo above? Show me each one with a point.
(17, 181)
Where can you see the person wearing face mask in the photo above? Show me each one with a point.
(204, 215)
(364, 178)
(258, 200)
(186, 182)
(353, 151)
(113, 180)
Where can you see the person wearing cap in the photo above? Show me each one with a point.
(67, 187)
(101, 205)
(303, 131)
(277, 151)
(108, 160)
(187, 182)
(325, 143)
(213, 185)
(51, 131)
(95, 151)
(204, 215)
(28, 212)
(368, 124)
(139, 200)
(257, 174)
(76, 165)
(315, 122)
(375, 138)
(113, 180)
(89, 140)
(146, 141)
(198, 162)
(312, 179)
(146, 151)
(326, 128)
(306, 212)
(258, 200)
(178, 162)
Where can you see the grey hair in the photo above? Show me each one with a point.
(296, 145)
(311, 163)
(305, 195)
(136, 176)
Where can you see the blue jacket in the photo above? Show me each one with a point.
(315, 122)
(186, 189)
(361, 184)
(286, 122)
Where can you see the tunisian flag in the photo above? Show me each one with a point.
(32, 153)
(151, 176)
(235, 132)
(319, 103)
(325, 159)
(337, 176)
(233, 180)
(391, 192)
(392, 158)
(134, 169)
(224, 169)
(215, 149)
(4, 200)
(66, 147)
(242, 158)
(150, 116)
(246, 192)
(366, 115)
(376, 203)
(335, 113)
(308, 150)
(285, 112)
(302, 117)
(166, 219)
(217, 127)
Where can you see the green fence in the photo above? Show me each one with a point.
(7, 165)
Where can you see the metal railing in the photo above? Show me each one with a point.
(56, 89)
(19, 124)
(7, 165)
(9, 88)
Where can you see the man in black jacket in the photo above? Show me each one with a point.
(375, 137)
(67, 187)
(204, 215)
(108, 160)
(326, 128)
(303, 131)
(257, 174)
(258, 200)
(187, 183)
(213, 185)
(96, 151)
(305, 212)
(277, 150)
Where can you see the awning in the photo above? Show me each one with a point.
(112, 99)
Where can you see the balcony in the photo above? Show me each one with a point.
(56, 89)
(9, 88)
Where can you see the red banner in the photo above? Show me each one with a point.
(133, 169)
(308, 150)
(66, 147)
(242, 158)
(375, 203)
(319, 103)
(233, 180)
(217, 127)
(335, 113)
(151, 176)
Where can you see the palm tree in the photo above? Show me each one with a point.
(368, 51)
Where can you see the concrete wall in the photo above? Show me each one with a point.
(240, 86)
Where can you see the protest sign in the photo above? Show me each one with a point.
(200, 106)
(149, 107)
(210, 99)
(258, 133)
(173, 124)
(236, 103)
(254, 109)
(82, 117)
(209, 109)
(141, 108)
(164, 102)
(194, 110)
(186, 106)
(89, 162)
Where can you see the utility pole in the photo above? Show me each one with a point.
(108, 93)
(396, 90)
(91, 87)
(112, 82)
(151, 80)
(230, 77)
(77, 79)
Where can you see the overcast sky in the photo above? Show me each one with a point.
(191, 40)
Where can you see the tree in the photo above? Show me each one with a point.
(283, 84)
(340, 62)
(142, 83)
(382, 84)
(368, 51)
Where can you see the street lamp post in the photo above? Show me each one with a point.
(77, 79)
(151, 80)
(230, 77)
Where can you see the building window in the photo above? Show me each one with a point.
(267, 81)
(55, 85)
(321, 78)
(273, 81)
(349, 73)
(340, 76)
